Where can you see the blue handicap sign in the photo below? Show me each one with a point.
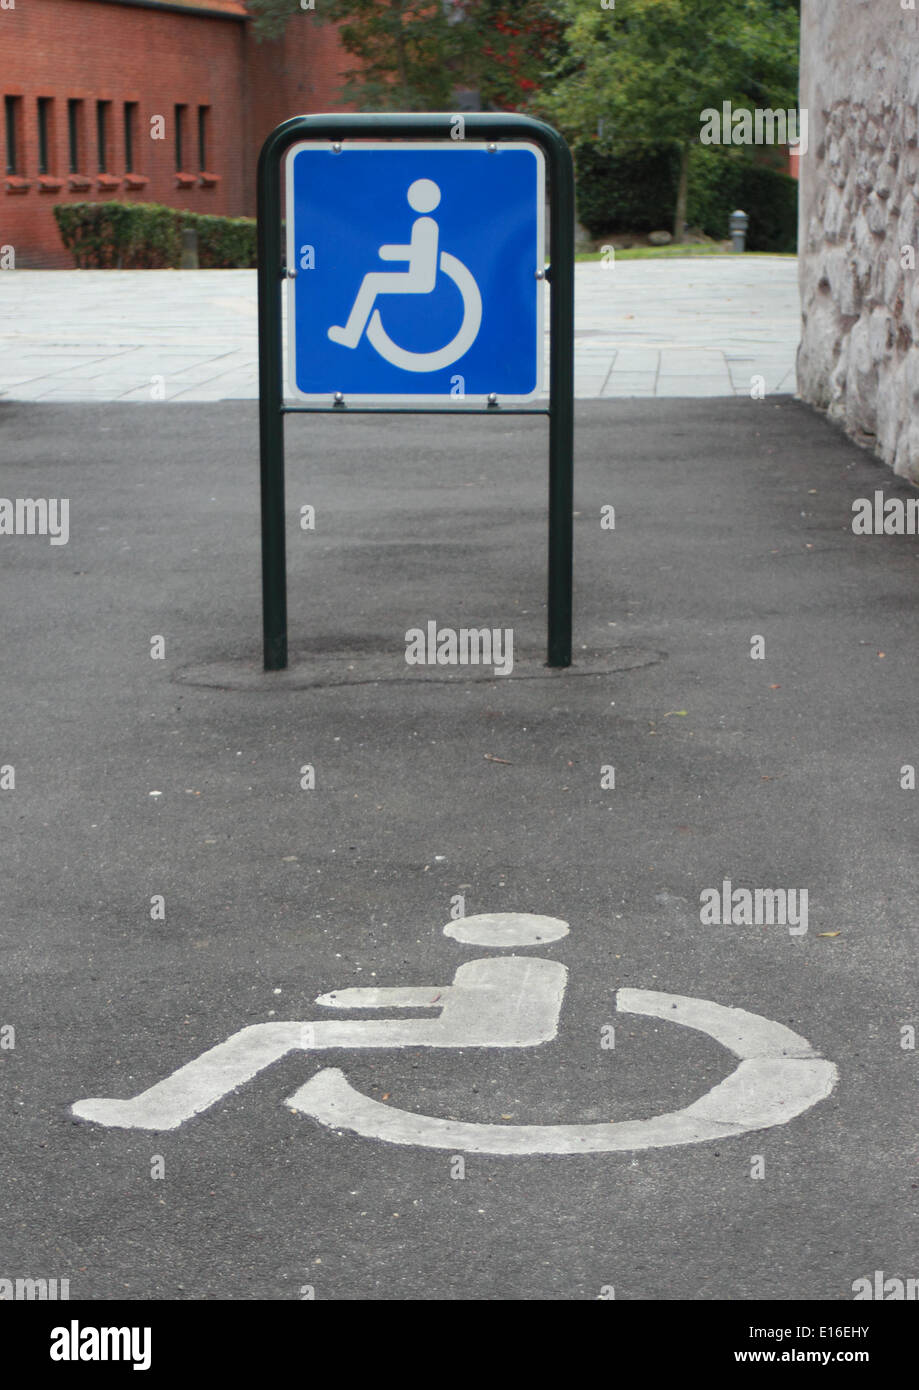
(417, 270)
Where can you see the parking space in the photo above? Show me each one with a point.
(194, 851)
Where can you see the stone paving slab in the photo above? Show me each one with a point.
(682, 327)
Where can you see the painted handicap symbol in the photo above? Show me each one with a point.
(421, 253)
(493, 1002)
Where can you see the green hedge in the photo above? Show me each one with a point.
(145, 236)
(720, 182)
(634, 190)
(224, 243)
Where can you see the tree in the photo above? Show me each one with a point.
(645, 71)
(413, 54)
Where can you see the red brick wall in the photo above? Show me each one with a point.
(293, 77)
(96, 50)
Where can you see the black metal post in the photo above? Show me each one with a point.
(271, 401)
(484, 126)
(561, 403)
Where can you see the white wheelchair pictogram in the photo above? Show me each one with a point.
(493, 1002)
(421, 253)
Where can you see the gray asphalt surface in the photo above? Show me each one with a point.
(732, 519)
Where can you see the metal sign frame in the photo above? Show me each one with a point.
(273, 272)
(390, 398)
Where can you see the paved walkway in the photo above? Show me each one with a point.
(642, 328)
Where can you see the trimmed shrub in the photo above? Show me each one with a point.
(224, 243)
(720, 181)
(634, 190)
(148, 236)
(126, 235)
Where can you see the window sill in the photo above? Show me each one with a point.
(47, 183)
(209, 180)
(135, 180)
(78, 183)
(186, 180)
(107, 183)
(15, 184)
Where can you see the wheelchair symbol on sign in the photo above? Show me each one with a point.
(420, 278)
(493, 1003)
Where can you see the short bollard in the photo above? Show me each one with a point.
(189, 249)
(739, 224)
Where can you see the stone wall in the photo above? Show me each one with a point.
(858, 235)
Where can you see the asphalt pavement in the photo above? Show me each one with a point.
(140, 778)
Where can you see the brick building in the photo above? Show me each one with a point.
(148, 101)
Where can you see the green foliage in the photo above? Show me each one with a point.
(145, 236)
(413, 54)
(629, 191)
(721, 181)
(647, 68)
(127, 235)
(407, 52)
(224, 243)
(634, 190)
(643, 73)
